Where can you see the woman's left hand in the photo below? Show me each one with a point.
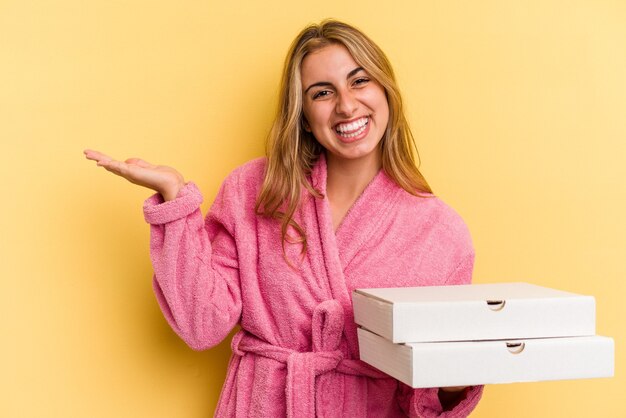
(450, 396)
(453, 389)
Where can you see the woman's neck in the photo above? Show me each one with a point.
(346, 180)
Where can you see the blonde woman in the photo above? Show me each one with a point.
(338, 204)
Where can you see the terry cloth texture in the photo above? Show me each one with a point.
(297, 352)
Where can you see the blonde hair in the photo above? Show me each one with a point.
(292, 151)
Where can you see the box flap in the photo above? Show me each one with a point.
(473, 292)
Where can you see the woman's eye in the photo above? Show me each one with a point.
(320, 94)
(361, 81)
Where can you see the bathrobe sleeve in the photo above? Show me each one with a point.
(425, 403)
(195, 261)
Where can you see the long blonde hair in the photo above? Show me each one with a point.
(292, 151)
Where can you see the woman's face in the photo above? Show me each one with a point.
(344, 108)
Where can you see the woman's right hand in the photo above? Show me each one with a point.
(162, 179)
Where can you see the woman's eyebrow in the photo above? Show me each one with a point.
(328, 83)
(353, 72)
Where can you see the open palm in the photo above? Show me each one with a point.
(162, 179)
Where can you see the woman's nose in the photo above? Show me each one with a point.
(346, 103)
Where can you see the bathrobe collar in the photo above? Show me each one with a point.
(367, 215)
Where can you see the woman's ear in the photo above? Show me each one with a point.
(305, 125)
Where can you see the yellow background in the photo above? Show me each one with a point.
(519, 108)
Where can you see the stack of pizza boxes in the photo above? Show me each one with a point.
(480, 334)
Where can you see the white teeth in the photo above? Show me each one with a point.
(352, 126)
(353, 134)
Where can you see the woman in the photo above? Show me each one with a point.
(338, 204)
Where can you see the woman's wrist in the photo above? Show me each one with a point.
(171, 193)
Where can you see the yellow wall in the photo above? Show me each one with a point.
(520, 113)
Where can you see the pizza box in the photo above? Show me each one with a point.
(467, 363)
(473, 312)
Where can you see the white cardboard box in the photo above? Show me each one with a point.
(466, 363)
(473, 312)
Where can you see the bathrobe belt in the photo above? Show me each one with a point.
(303, 367)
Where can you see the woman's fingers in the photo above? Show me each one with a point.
(139, 162)
(116, 167)
(120, 168)
(96, 155)
(103, 159)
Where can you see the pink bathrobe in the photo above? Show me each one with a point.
(297, 352)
